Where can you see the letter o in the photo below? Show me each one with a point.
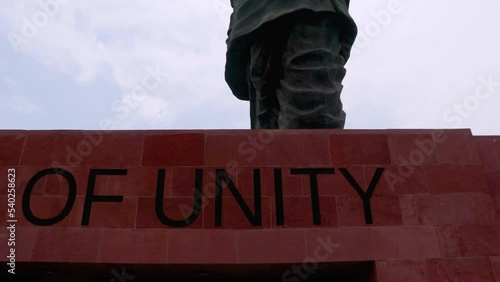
(370, 31)
(139, 94)
(26, 203)
(310, 269)
(417, 154)
(471, 107)
(84, 148)
(480, 95)
(266, 136)
(40, 15)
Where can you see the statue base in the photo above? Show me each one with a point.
(363, 205)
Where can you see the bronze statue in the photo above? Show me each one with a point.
(287, 58)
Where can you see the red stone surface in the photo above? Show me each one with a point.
(435, 209)
(11, 148)
(402, 270)
(495, 263)
(448, 242)
(290, 149)
(173, 150)
(486, 148)
(65, 245)
(493, 177)
(132, 246)
(458, 149)
(460, 270)
(408, 148)
(200, 246)
(366, 149)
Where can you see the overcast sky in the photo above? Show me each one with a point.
(81, 64)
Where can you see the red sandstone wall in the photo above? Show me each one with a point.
(437, 221)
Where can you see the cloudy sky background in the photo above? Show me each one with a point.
(78, 70)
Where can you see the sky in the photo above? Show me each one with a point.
(156, 64)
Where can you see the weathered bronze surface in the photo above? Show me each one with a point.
(287, 58)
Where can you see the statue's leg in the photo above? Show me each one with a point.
(252, 93)
(264, 72)
(313, 71)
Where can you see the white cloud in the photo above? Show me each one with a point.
(424, 62)
(427, 59)
(20, 104)
(90, 39)
(8, 80)
(156, 111)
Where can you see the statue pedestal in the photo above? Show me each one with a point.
(386, 205)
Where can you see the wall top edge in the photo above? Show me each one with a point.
(241, 131)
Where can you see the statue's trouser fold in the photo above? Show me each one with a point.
(295, 76)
